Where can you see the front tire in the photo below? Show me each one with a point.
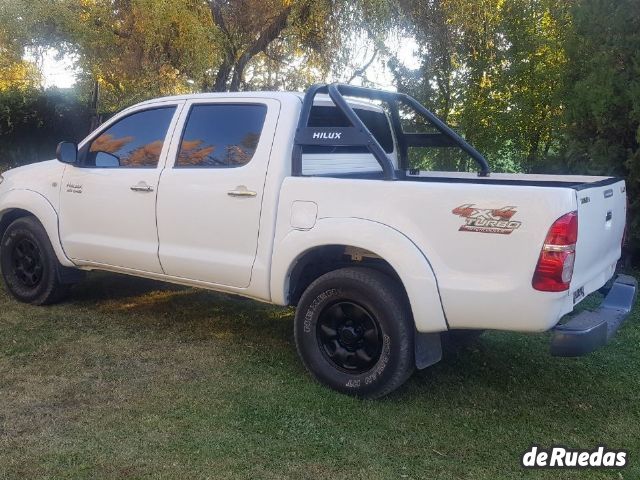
(354, 332)
(30, 268)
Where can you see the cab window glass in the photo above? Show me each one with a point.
(133, 142)
(221, 135)
(376, 122)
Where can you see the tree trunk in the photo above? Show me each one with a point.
(94, 121)
(238, 74)
(268, 35)
(532, 155)
(222, 77)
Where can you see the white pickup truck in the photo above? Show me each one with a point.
(333, 201)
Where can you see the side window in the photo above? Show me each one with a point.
(133, 142)
(221, 135)
(345, 159)
(376, 122)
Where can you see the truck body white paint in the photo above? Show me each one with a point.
(188, 230)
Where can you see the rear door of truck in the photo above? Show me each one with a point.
(601, 222)
(210, 193)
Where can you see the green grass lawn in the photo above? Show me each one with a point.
(133, 378)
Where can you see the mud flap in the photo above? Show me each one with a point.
(428, 349)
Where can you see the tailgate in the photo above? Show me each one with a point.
(602, 213)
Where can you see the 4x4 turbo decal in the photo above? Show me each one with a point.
(487, 220)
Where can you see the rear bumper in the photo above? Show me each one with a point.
(588, 331)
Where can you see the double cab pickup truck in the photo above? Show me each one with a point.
(337, 202)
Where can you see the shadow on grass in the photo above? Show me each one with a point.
(149, 306)
(503, 364)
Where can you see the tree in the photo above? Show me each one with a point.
(533, 78)
(493, 69)
(603, 96)
(15, 72)
(247, 29)
(135, 49)
(275, 35)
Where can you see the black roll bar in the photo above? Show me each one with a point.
(359, 135)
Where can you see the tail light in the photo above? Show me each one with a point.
(555, 265)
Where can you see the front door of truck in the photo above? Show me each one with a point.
(108, 200)
(210, 196)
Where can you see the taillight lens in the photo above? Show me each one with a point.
(555, 265)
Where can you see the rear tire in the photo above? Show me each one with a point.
(30, 268)
(354, 332)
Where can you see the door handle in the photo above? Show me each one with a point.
(241, 191)
(142, 187)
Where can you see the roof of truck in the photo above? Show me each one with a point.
(321, 99)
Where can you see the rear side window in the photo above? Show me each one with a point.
(221, 135)
(132, 142)
(376, 122)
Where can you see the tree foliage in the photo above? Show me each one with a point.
(249, 28)
(136, 49)
(133, 49)
(15, 72)
(536, 85)
(33, 122)
(603, 97)
(493, 69)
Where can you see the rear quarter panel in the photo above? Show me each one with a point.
(484, 279)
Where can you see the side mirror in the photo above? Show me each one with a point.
(67, 152)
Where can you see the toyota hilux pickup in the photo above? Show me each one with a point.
(337, 202)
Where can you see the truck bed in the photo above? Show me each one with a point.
(575, 182)
(485, 275)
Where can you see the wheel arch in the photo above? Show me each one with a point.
(15, 204)
(321, 259)
(302, 256)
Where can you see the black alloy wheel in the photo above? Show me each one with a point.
(30, 268)
(27, 262)
(355, 333)
(349, 336)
